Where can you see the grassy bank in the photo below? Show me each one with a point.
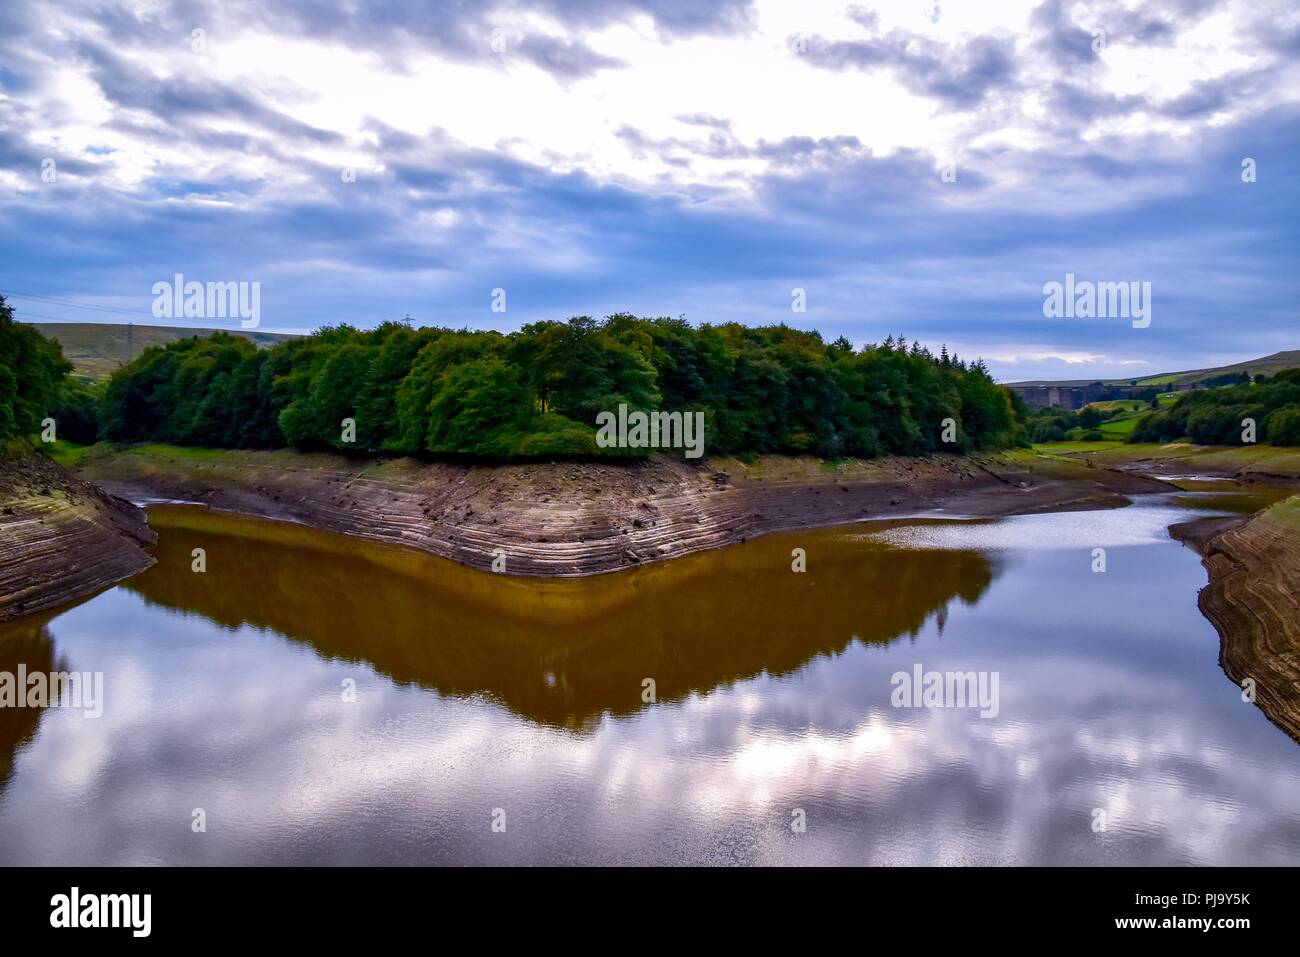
(1245, 461)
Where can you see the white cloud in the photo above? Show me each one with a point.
(751, 78)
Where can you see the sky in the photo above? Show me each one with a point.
(913, 168)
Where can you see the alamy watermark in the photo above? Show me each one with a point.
(651, 430)
(946, 689)
(78, 690)
(75, 909)
(1098, 300)
(179, 299)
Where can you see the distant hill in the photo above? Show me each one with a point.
(95, 349)
(1268, 365)
(1076, 393)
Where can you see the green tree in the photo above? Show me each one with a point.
(1089, 417)
(478, 408)
(1283, 427)
(32, 372)
(536, 392)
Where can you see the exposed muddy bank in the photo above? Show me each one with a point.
(573, 519)
(1175, 461)
(61, 538)
(578, 519)
(1199, 532)
(1253, 601)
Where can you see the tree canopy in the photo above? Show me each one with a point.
(1214, 416)
(537, 392)
(32, 375)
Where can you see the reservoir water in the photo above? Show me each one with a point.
(316, 699)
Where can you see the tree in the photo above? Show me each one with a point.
(477, 409)
(536, 392)
(32, 372)
(1283, 426)
(1090, 417)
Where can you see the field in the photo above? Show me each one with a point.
(1113, 405)
(1119, 428)
(1268, 365)
(1169, 379)
(95, 349)
(1131, 413)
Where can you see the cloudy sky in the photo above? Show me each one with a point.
(667, 157)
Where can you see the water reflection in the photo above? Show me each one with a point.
(1227, 495)
(25, 644)
(1111, 698)
(559, 652)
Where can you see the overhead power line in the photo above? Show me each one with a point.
(24, 316)
(73, 304)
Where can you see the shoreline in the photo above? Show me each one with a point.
(86, 529)
(559, 520)
(62, 539)
(1253, 601)
(1175, 461)
(1252, 563)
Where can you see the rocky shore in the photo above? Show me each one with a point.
(64, 534)
(61, 538)
(1253, 601)
(574, 519)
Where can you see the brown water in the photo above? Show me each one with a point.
(479, 695)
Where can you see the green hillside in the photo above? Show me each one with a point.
(1268, 365)
(95, 349)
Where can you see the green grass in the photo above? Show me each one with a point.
(1269, 365)
(71, 455)
(1163, 379)
(1267, 459)
(1287, 512)
(1119, 428)
(1131, 413)
(1113, 405)
(67, 454)
(14, 447)
(1059, 447)
(159, 450)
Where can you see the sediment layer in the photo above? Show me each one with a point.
(61, 538)
(1253, 601)
(572, 519)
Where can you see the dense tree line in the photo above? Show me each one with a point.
(1215, 416)
(1055, 424)
(33, 376)
(1227, 378)
(536, 392)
